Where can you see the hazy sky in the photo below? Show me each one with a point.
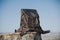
(49, 12)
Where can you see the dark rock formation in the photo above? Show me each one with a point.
(30, 22)
(30, 28)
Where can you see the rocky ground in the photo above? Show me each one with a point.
(16, 36)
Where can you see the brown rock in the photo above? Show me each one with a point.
(29, 22)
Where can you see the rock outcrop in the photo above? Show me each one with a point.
(13, 36)
(30, 36)
(30, 22)
(17, 36)
(30, 28)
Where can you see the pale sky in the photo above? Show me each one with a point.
(49, 12)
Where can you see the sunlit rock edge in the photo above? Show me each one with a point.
(30, 36)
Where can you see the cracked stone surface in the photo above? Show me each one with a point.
(30, 28)
(29, 21)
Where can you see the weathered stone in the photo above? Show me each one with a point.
(13, 36)
(30, 28)
(30, 36)
(17, 36)
(30, 22)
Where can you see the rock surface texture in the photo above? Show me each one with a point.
(17, 36)
(30, 22)
(30, 28)
(30, 36)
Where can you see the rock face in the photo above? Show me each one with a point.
(30, 36)
(17, 36)
(29, 22)
(13, 36)
(30, 28)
